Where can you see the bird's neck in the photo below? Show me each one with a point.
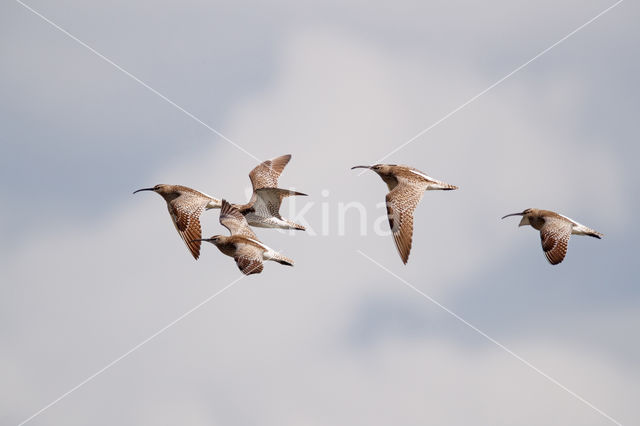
(389, 179)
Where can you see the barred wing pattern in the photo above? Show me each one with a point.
(234, 221)
(185, 212)
(401, 203)
(266, 174)
(554, 236)
(248, 258)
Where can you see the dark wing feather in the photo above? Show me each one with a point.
(234, 221)
(249, 259)
(401, 203)
(554, 236)
(185, 211)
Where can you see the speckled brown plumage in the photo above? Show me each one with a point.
(406, 187)
(243, 245)
(266, 174)
(234, 221)
(555, 231)
(263, 209)
(185, 206)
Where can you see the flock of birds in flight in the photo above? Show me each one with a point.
(406, 188)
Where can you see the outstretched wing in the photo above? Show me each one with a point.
(268, 200)
(266, 174)
(249, 259)
(554, 236)
(401, 203)
(234, 221)
(185, 212)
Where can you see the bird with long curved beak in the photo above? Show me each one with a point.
(555, 231)
(263, 209)
(185, 207)
(243, 245)
(406, 187)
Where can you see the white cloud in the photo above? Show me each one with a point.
(275, 348)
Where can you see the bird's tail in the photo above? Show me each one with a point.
(595, 234)
(293, 225)
(441, 185)
(283, 260)
(585, 230)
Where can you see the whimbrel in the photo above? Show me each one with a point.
(243, 245)
(406, 187)
(555, 230)
(263, 209)
(185, 206)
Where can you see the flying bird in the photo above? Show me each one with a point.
(185, 206)
(406, 187)
(555, 230)
(243, 245)
(263, 209)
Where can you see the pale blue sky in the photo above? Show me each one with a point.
(91, 270)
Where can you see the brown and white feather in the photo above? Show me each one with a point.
(234, 221)
(266, 174)
(248, 257)
(268, 201)
(401, 203)
(554, 236)
(185, 211)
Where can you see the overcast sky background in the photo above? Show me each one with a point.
(90, 270)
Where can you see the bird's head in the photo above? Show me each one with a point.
(381, 169)
(168, 192)
(158, 188)
(526, 216)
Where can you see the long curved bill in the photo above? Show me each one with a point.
(360, 167)
(513, 214)
(143, 189)
(200, 239)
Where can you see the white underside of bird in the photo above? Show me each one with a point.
(268, 222)
(269, 253)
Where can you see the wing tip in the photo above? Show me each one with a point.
(194, 247)
(553, 261)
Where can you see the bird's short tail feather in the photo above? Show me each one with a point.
(448, 187)
(283, 260)
(442, 186)
(585, 230)
(296, 226)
